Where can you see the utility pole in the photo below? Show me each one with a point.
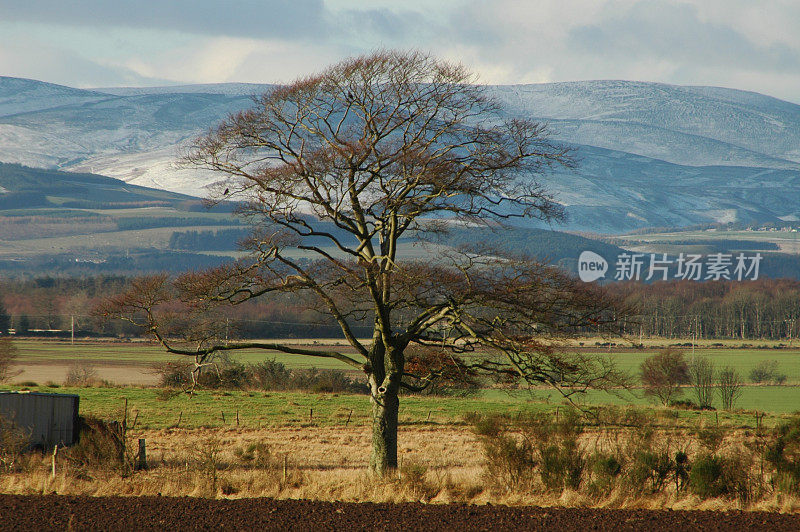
(72, 340)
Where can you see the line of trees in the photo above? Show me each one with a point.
(764, 309)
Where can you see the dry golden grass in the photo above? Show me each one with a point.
(438, 464)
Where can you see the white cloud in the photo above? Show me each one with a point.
(735, 43)
(226, 59)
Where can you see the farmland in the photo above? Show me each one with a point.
(128, 366)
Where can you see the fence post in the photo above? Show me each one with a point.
(53, 462)
(141, 457)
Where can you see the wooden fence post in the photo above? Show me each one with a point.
(141, 457)
(53, 463)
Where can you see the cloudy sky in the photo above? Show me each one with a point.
(746, 44)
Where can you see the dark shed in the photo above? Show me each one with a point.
(51, 418)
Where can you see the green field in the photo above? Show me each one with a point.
(787, 241)
(142, 353)
(264, 408)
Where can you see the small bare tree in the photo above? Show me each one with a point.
(663, 373)
(730, 387)
(8, 355)
(701, 377)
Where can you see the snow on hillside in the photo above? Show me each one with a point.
(649, 153)
(25, 95)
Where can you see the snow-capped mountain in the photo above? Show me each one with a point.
(649, 154)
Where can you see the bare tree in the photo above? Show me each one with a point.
(730, 387)
(701, 377)
(663, 373)
(8, 354)
(337, 171)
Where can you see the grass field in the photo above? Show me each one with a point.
(143, 354)
(131, 363)
(788, 242)
(255, 409)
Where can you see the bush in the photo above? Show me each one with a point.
(605, 470)
(81, 374)
(649, 470)
(716, 476)
(509, 459)
(269, 375)
(783, 453)
(561, 459)
(100, 444)
(701, 376)
(257, 454)
(324, 381)
(663, 373)
(766, 371)
(706, 477)
(730, 387)
(14, 442)
(173, 374)
(537, 444)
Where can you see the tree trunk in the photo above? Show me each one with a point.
(385, 407)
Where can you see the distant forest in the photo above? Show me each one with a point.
(749, 310)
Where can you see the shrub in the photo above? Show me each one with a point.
(14, 442)
(649, 470)
(81, 374)
(324, 381)
(257, 454)
(711, 437)
(712, 475)
(649, 465)
(509, 459)
(730, 387)
(173, 374)
(783, 453)
(701, 376)
(605, 470)
(706, 477)
(766, 371)
(100, 444)
(663, 373)
(270, 375)
(561, 459)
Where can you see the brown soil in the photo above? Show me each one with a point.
(52, 512)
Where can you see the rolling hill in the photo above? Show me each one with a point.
(649, 154)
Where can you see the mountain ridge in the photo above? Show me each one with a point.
(651, 154)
